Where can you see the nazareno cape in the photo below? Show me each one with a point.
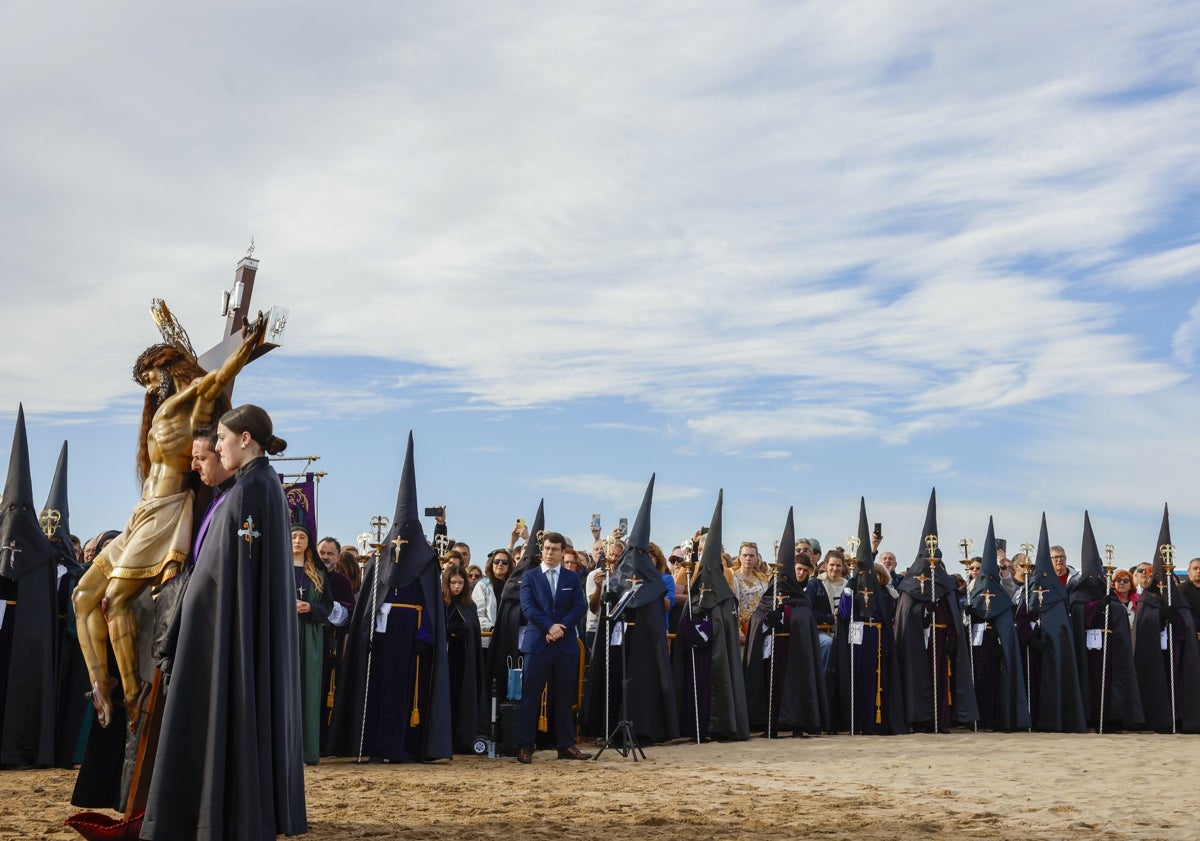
(708, 638)
(229, 762)
(999, 673)
(392, 659)
(1093, 608)
(71, 677)
(642, 647)
(795, 689)
(929, 594)
(1160, 608)
(1057, 701)
(29, 639)
(876, 688)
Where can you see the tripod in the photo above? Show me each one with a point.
(622, 738)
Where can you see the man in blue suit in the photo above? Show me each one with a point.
(553, 603)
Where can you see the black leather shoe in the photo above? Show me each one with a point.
(524, 756)
(573, 752)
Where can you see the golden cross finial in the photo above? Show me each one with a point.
(931, 545)
(1167, 551)
(379, 524)
(966, 545)
(49, 521)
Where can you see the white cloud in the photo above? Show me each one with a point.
(886, 220)
(622, 492)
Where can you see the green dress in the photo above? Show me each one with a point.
(312, 654)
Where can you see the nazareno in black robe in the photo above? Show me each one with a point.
(1152, 661)
(799, 701)
(229, 762)
(29, 639)
(877, 708)
(914, 611)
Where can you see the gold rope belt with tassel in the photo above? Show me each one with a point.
(414, 719)
(878, 669)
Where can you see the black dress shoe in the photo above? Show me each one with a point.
(524, 756)
(573, 752)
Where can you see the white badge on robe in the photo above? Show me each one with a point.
(3, 609)
(768, 645)
(977, 630)
(382, 617)
(927, 630)
(1162, 640)
(856, 633)
(618, 633)
(1095, 639)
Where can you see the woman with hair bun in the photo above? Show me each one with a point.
(230, 761)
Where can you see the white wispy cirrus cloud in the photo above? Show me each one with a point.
(877, 217)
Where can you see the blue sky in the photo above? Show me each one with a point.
(800, 251)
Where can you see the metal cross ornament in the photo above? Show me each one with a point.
(1167, 551)
(247, 532)
(966, 545)
(379, 524)
(987, 600)
(931, 545)
(49, 521)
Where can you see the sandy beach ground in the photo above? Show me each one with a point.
(955, 786)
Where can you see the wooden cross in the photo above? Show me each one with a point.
(866, 597)
(212, 358)
(247, 532)
(1041, 592)
(987, 600)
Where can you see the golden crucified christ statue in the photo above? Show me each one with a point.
(180, 397)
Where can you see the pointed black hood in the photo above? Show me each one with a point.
(637, 562)
(785, 558)
(530, 557)
(917, 580)
(23, 545)
(1047, 590)
(865, 585)
(1092, 583)
(1159, 574)
(989, 598)
(56, 516)
(406, 562)
(709, 583)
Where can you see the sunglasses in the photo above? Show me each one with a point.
(501, 561)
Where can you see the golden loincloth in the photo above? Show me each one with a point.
(159, 532)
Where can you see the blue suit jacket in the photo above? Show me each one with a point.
(543, 608)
